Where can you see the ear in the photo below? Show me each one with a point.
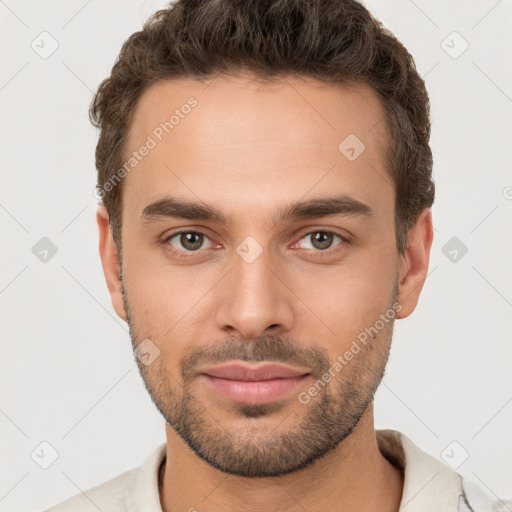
(110, 262)
(413, 265)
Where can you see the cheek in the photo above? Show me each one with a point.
(175, 305)
(167, 306)
(347, 298)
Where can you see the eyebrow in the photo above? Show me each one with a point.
(338, 205)
(169, 207)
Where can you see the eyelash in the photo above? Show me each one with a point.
(189, 254)
(182, 253)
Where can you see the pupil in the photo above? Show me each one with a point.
(191, 241)
(322, 240)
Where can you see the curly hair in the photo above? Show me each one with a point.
(329, 40)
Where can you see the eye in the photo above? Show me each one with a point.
(320, 240)
(188, 241)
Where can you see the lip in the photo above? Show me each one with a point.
(253, 384)
(252, 373)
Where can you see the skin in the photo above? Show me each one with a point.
(249, 149)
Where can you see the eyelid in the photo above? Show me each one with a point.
(344, 239)
(184, 253)
(308, 230)
(168, 237)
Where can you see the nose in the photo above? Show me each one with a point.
(254, 300)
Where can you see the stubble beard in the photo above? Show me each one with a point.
(258, 450)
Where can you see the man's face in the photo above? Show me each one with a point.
(262, 281)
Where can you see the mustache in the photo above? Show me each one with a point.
(265, 348)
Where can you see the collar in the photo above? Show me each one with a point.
(428, 484)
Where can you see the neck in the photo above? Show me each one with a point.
(353, 476)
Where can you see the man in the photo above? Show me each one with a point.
(264, 173)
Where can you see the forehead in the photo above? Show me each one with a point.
(238, 137)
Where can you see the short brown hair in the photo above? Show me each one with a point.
(330, 40)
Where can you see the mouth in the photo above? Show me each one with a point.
(253, 384)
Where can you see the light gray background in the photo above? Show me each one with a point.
(67, 373)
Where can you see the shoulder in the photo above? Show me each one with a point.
(110, 495)
(136, 489)
(473, 499)
(431, 485)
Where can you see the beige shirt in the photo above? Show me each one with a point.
(429, 485)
